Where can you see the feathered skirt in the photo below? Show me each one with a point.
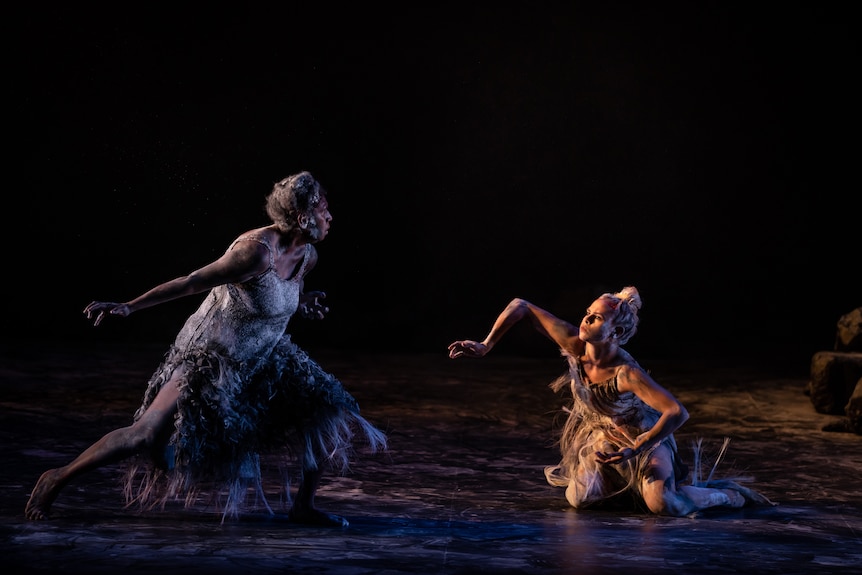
(230, 414)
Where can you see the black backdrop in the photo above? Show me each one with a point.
(706, 153)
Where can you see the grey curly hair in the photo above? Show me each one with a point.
(291, 198)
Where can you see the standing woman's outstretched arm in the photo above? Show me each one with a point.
(244, 261)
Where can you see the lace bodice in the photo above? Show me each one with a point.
(244, 321)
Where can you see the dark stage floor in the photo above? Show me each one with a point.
(461, 490)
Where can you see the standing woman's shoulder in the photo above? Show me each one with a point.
(265, 237)
(255, 246)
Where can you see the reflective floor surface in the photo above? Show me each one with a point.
(460, 491)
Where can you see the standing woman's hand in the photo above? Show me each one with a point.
(102, 307)
(311, 306)
(467, 348)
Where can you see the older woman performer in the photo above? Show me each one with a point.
(233, 386)
(618, 438)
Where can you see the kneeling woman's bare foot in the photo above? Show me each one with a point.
(316, 517)
(43, 495)
(743, 496)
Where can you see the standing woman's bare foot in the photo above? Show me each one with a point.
(312, 516)
(43, 495)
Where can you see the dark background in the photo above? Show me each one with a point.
(706, 153)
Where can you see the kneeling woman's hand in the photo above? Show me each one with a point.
(615, 456)
(467, 348)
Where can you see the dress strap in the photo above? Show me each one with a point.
(303, 268)
(259, 240)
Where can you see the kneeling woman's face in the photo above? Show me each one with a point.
(597, 324)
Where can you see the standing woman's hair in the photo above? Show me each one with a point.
(627, 302)
(292, 197)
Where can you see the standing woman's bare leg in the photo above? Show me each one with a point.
(114, 446)
(304, 510)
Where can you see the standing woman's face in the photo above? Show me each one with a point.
(318, 223)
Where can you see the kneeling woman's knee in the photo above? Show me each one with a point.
(672, 503)
(663, 500)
